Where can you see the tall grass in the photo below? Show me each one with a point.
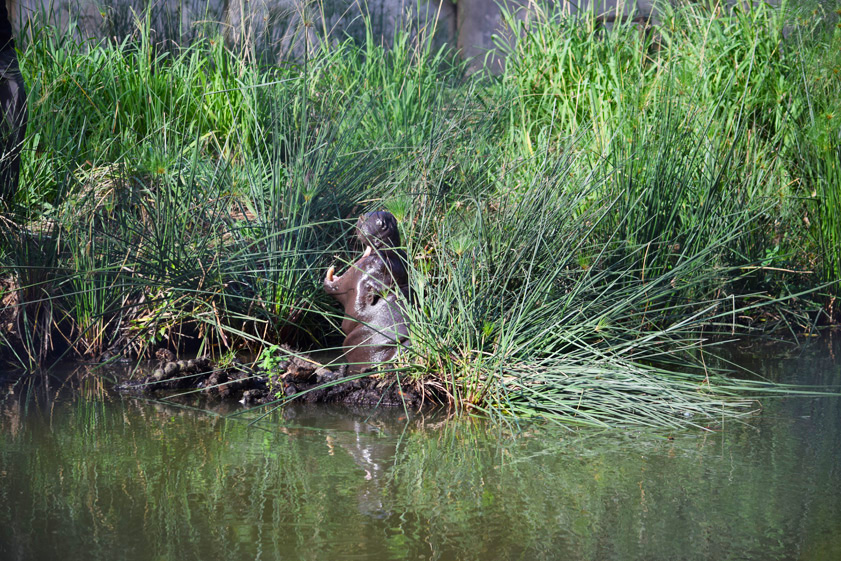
(713, 81)
(575, 228)
(816, 144)
(536, 301)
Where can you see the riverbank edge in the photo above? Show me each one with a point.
(300, 379)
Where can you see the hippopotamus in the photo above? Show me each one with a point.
(13, 115)
(373, 292)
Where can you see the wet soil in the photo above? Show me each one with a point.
(301, 380)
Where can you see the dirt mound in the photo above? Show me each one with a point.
(298, 379)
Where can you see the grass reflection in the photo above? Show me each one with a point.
(106, 478)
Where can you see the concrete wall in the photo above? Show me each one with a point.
(274, 27)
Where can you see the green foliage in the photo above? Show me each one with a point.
(571, 76)
(816, 147)
(270, 357)
(575, 227)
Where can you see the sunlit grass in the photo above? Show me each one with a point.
(576, 227)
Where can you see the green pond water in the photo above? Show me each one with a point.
(87, 474)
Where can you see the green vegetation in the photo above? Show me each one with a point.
(576, 227)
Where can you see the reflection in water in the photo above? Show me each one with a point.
(369, 437)
(88, 475)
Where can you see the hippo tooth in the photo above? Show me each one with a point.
(330, 272)
(368, 251)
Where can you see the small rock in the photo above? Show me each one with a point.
(300, 372)
(164, 355)
(324, 375)
(203, 363)
(171, 369)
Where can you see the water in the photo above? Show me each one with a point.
(86, 475)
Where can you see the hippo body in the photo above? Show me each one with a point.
(373, 293)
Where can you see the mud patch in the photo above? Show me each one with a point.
(298, 380)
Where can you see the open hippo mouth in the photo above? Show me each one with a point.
(330, 272)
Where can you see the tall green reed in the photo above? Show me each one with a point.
(530, 299)
(205, 193)
(816, 147)
(575, 229)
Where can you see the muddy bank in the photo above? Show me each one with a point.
(299, 380)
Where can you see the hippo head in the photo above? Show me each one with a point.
(378, 230)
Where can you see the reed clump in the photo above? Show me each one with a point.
(577, 228)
